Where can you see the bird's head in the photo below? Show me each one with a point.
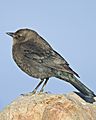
(22, 35)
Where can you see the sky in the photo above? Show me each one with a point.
(68, 25)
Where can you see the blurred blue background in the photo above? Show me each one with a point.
(68, 25)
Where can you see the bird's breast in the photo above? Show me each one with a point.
(30, 66)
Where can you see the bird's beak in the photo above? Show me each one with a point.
(10, 34)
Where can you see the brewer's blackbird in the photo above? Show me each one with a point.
(38, 59)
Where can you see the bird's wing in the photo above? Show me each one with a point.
(45, 56)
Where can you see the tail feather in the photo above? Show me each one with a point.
(76, 83)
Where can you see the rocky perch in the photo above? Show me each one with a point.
(43, 106)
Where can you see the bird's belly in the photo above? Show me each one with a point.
(33, 68)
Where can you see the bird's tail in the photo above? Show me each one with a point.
(76, 83)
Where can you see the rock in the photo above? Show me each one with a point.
(43, 106)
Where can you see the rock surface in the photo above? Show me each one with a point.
(43, 106)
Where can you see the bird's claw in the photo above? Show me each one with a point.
(29, 94)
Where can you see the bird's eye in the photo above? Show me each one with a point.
(20, 35)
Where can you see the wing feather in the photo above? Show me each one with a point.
(45, 56)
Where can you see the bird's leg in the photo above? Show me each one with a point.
(34, 91)
(42, 89)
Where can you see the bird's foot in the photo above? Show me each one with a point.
(42, 90)
(34, 92)
(29, 94)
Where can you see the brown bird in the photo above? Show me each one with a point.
(38, 59)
